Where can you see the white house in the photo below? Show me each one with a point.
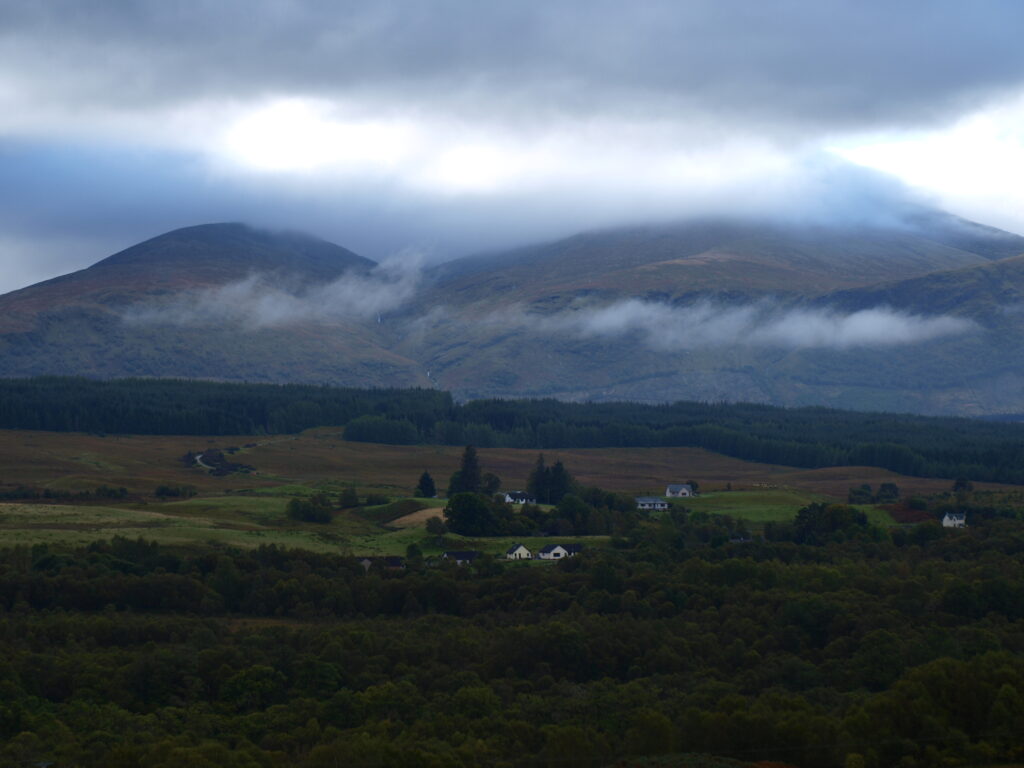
(519, 497)
(553, 552)
(954, 520)
(650, 502)
(682, 491)
(518, 552)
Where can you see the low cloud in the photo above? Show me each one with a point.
(663, 327)
(266, 301)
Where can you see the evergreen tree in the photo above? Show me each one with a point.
(559, 483)
(426, 487)
(537, 484)
(490, 483)
(467, 478)
(470, 514)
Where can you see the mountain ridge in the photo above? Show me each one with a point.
(523, 322)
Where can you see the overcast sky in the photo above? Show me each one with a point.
(450, 126)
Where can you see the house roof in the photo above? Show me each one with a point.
(551, 548)
(956, 515)
(573, 548)
(514, 547)
(680, 487)
(469, 554)
(650, 500)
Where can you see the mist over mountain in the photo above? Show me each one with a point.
(919, 315)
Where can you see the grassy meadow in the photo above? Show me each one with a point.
(248, 509)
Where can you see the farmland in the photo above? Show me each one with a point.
(248, 509)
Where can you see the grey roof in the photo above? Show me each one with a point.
(514, 547)
(650, 500)
(469, 554)
(550, 548)
(680, 486)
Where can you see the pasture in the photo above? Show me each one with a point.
(249, 509)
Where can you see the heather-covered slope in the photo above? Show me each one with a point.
(924, 316)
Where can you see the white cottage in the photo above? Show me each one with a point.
(553, 552)
(649, 503)
(519, 497)
(518, 552)
(954, 520)
(682, 491)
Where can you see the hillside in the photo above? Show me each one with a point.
(711, 310)
(723, 257)
(540, 323)
(83, 323)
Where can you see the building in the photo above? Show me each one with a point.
(519, 497)
(518, 552)
(682, 491)
(649, 503)
(553, 552)
(954, 520)
(461, 558)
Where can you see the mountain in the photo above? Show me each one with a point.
(537, 321)
(79, 323)
(922, 315)
(729, 257)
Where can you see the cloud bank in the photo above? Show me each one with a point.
(458, 126)
(666, 328)
(265, 301)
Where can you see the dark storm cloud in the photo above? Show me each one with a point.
(786, 65)
(116, 117)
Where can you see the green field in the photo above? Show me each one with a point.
(246, 510)
(770, 506)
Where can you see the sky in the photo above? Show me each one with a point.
(447, 127)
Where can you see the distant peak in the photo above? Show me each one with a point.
(241, 245)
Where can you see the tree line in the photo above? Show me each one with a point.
(803, 437)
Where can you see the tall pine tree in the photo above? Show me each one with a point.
(536, 485)
(426, 487)
(468, 477)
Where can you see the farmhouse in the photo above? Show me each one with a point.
(682, 491)
(559, 551)
(553, 552)
(954, 520)
(519, 497)
(461, 558)
(650, 502)
(518, 552)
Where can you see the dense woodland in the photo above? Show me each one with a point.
(850, 649)
(802, 437)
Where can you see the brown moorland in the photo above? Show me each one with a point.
(75, 461)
